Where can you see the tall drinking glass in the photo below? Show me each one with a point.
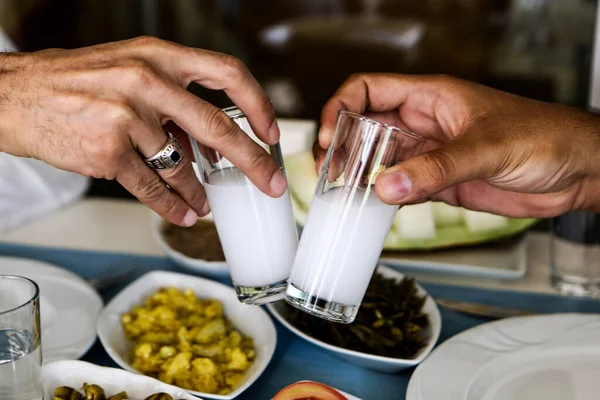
(575, 253)
(20, 339)
(258, 233)
(347, 223)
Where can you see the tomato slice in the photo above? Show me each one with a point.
(309, 391)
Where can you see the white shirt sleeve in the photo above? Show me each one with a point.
(30, 188)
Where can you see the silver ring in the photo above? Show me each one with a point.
(167, 157)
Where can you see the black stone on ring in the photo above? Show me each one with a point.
(168, 157)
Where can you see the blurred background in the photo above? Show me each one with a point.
(301, 50)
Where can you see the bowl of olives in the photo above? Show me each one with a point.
(79, 380)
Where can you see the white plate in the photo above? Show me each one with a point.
(549, 357)
(250, 320)
(75, 373)
(217, 269)
(379, 363)
(69, 307)
(501, 260)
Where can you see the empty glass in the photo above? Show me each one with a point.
(258, 233)
(347, 223)
(20, 339)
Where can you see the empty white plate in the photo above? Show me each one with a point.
(69, 307)
(550, 357)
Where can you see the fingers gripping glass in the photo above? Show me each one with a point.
(258, 233)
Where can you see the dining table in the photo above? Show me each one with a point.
(95, 237)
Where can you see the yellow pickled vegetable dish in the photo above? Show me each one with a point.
(188, 342)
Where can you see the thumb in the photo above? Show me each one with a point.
(429, 173)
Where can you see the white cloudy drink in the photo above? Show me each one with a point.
(347, 223)
(340, 246)
(257, 232)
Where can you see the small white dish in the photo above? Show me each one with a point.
(250, 320)
(69, 307)
(378, 363)
(550, 357)
(216, 269)
(75, 373)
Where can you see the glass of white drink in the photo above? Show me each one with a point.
(347, 223)
(20, 339)
(258, 233)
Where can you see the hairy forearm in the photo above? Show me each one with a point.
(13, 101)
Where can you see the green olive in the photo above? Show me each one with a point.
(159, 396)
(93, 392)
(119, 396)
(67, 393)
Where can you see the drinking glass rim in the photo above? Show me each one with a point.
(233, 112)
(36, 294)
(402, 131)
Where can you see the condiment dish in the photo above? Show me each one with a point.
(215, 269)
(385, 364)
(113, 380)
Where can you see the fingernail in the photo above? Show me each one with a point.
(278, 184)
(274, 132)
(190, 218)
(205, 208)
(396, 185)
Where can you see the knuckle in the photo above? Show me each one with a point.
(119, 113)
(234, 67)
(220, 126)
(439, 167)
(150, 189)
(257, 161)
(139, 73)
(112, 148)
(147, 41)
(91, 172)
(356, 77)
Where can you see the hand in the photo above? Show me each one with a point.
(486, 150)
(99, 110)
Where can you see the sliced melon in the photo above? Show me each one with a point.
(415, 221)
(445, 214)
(302, 177)
(477, 221)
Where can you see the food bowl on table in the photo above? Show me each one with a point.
(206, 337)
(428, 336)
(75, 374)
(196, 249)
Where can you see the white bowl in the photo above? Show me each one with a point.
(75, 373)
(216, 269)
(252, 321)
(378, 363)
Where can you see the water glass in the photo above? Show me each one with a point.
(258, 233)
(575, 253)
(347, 223)
(20, 339)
